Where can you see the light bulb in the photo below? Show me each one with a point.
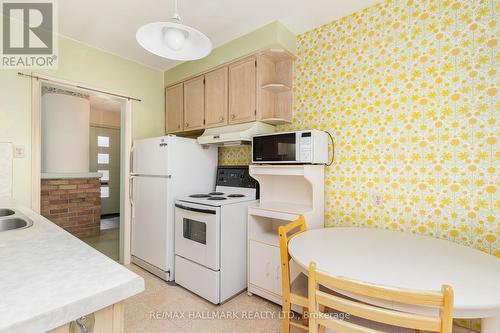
(175, 38)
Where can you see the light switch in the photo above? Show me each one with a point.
(19, 151)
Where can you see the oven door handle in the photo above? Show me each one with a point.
(198, 210)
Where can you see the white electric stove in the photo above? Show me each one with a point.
(211, 236)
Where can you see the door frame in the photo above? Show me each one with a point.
(126, 144)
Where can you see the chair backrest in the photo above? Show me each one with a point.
(286, 232)
(442, 300)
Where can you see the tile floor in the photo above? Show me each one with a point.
(107, 242)
(110, 222)
(147, 312)
(164, 298)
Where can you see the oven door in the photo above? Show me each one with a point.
(197, 233)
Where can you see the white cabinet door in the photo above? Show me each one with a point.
(265, 267)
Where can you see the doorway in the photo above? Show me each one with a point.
(81, 165)
(37, 80)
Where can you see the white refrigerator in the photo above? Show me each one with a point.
(164, 168)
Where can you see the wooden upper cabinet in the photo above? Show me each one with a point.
(216, 98)
(256, 87)
(194, 104)
(242, 90)
(174, 106)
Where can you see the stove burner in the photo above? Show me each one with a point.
(216, 198)
(236, 195)
(216, 193)
(199, 196)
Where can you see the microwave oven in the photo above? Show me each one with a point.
(297, 147)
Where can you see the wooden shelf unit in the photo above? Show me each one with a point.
(286, 192)
(274, 82)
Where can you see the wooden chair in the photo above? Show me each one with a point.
(298, 295)
(442, 300)
(296, 292)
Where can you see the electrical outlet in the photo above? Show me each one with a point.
(19, 151)
(378, 199)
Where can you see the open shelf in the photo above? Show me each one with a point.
(276, 87)
(275, 82)
(277, 55)
(286, 192)
(264, 229)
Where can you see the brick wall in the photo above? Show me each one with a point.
(73, 204)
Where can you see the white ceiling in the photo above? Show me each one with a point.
(110, 25)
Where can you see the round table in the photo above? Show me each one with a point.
(405, 260)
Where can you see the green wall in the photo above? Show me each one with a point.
(81, 64)
(271, 35)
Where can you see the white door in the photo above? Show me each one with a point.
(197, 233)
(150, 156)
(149, 220)
(105, 158)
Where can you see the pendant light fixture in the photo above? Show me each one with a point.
(174, 40)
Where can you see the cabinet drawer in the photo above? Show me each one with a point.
(199, 279)
(265, 266)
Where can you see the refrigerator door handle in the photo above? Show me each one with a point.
(131, 158)
(131, 190)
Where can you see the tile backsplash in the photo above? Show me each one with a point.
(240, 155)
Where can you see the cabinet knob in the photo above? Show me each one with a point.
(233, 116)
(187, 124)
(179, 126)
(221, 118)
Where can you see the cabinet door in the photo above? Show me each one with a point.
(174, 108)
(216, 98)
(242, 87)
(194, 104)
(265, 267)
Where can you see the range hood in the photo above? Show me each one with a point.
(234, 135)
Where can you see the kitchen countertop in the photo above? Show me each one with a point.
(49, 277)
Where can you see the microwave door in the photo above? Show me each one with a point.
(275, 148)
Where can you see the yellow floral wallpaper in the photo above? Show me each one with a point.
(408, 89)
